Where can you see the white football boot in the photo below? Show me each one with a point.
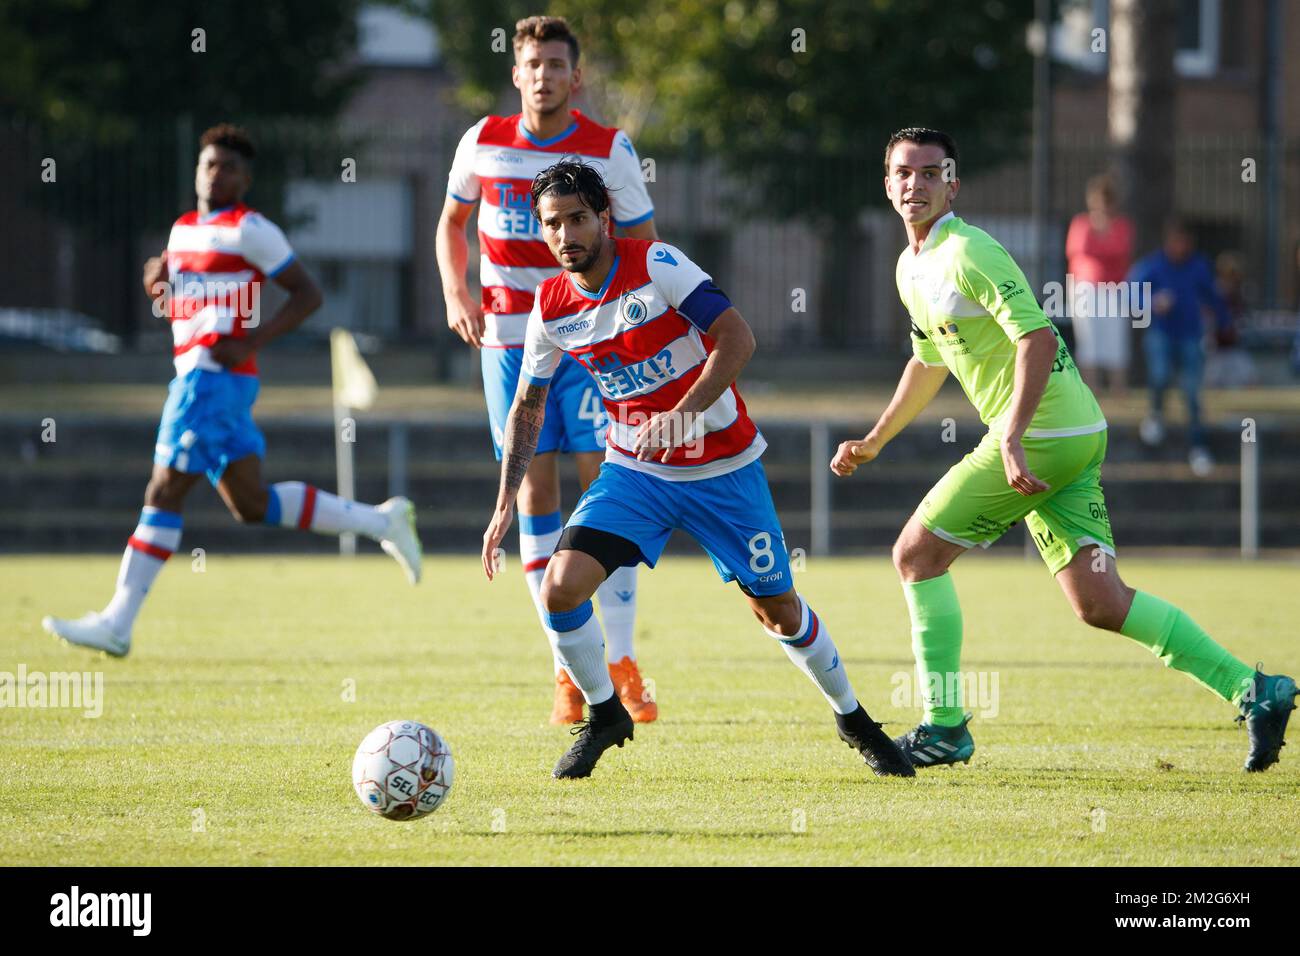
(89, 630)
(400, 539)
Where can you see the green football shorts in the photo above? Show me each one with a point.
(974, 505)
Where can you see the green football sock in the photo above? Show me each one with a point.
(1179, 641)
(936, 642)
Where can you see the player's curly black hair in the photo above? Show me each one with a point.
(570, 177)
(231, 137)
(922, 136)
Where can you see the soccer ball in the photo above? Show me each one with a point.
(402, 770)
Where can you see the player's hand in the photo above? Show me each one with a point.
(492, 538)
(1019, 476)
(662, 434)
(155, 273)
(231, 352)
(465, 318)
(850, 454)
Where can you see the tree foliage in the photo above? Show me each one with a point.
(780, 90)
(101, 70)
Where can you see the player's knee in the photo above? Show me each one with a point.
(781, 614)
(1100, 612)
(899, 555)
(909, 560)
(560, 594)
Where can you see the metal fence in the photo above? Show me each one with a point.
(81, 219)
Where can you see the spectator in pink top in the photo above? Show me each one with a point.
(1099, 251)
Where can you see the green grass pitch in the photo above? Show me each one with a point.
(226, 738)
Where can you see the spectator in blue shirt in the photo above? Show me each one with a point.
(1180, 284)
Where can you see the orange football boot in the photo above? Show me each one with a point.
(627, 682)
(568, 700)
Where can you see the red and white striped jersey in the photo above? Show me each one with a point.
(496, 162)
(643, 337)
(216, 265)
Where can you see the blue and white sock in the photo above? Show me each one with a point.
(155, 538)
(578, 646)
(618, 613)
(813, 652)
(538, 536)
(293, 504)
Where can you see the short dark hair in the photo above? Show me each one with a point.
(922, 136)
(570, 177)
(542, 29)
(231, 137)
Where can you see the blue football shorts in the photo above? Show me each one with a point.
(575, 418)
(731, 516)
(207, 423)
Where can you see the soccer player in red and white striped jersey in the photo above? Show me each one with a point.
(664, 345)
(493, 170)
(207, 283)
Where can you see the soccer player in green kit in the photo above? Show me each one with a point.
(974, 315)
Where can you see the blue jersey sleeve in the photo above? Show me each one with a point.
(704, 305)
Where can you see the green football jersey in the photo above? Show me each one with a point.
(970, 304)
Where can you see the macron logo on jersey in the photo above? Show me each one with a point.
(663, 255)
(580, 326)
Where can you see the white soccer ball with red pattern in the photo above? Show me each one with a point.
(403, 770)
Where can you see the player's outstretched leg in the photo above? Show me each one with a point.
(1100, 598)
(156, 536)
(293, 504)
(575, 635)
(617, 597)
(788, 618)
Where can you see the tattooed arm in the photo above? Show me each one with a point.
(523, 428)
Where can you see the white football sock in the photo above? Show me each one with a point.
(538, 535)
(618, 613)
(814, 653)
(294, 504)
(156, 536)
(576, 641)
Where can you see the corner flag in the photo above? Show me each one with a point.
(354, 387)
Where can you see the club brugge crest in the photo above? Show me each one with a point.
(634, 309)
